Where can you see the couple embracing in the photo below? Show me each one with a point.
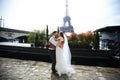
(60, 54)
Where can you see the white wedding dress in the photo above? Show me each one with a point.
(63, 59)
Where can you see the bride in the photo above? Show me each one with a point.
(63, 56)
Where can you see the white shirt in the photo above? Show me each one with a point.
(53, 40)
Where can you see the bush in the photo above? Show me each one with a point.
(82, 40)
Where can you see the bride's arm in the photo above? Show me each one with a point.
(60, 42)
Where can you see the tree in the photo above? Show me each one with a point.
(73, 40)
(96, 40)
(82, 40)
(37, 37)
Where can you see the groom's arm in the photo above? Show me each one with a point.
(52, 41)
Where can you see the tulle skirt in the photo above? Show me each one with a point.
(63, 62)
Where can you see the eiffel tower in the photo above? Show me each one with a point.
(67, 27)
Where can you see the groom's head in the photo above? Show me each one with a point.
(55, 33)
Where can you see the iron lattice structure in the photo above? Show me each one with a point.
(67, 27)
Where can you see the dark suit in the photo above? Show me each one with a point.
(52, 53)
(53, 58)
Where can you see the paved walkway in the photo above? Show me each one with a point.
(15, 69)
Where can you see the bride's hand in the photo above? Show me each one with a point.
(61, 44)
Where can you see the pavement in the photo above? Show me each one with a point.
(16, 69)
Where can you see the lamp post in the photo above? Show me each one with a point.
(1, 22)
(58, 29)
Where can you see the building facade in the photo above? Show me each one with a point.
(109, 37)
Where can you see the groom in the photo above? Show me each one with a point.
(52, 46)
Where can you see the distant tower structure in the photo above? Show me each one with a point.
(67, 27)
(1, 22)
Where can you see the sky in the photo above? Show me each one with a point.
(85, 15)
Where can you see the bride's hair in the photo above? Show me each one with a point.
(61, 34)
